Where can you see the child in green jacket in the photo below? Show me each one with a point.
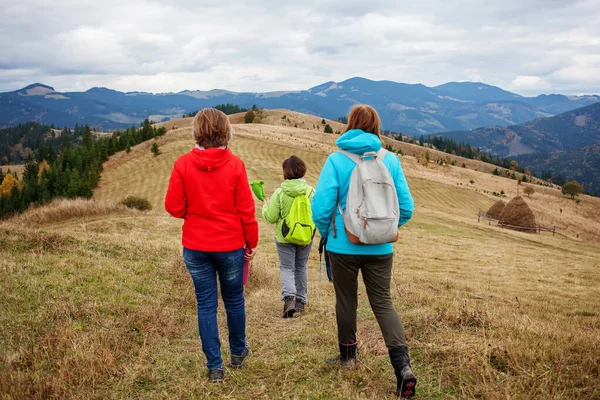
(293, 258)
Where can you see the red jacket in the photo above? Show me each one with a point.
(209, 189)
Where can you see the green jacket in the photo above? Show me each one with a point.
(284, 196)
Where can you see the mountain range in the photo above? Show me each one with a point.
(567, 131)
(412, 109)
(566, 145)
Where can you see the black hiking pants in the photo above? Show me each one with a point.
(377, 274)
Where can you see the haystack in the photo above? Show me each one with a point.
(517, 215)
(496, 209)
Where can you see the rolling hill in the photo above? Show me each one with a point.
(97, 302)
(409, 108)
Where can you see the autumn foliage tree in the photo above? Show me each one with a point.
(528, 191)
(7, 185)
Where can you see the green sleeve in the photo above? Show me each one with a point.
(270, 211)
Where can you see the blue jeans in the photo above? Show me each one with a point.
(204, 268)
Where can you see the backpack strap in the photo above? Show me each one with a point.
(281, 204)
(381, 153)
(352, 156)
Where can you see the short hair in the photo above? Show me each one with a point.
(293, 168)
(211, 128)
(364, 117)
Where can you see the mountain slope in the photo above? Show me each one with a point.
(568, 131)
(409, 108)
(582, 165)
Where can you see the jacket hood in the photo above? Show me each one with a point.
(359, 142)
(294, 187)
(209, 159)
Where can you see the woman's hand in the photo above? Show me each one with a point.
(249, 254)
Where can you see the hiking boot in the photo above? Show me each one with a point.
(407, 381)
(289, 307)
(347, 357)
(238, 361)
(299, 306)
(216, 375)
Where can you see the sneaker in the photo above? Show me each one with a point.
(238, 361)
(289, 307)
(216, 375)
(299, 306)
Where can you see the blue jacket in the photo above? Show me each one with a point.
(333, 186)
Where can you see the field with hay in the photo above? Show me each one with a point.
(96, 302)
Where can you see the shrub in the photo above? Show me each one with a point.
(528, 191)
(249, 117)
(137, 202)
(464, 165)
(283, 117)
(328, 129)
(155, 150)
(472, 181)
(323, 121)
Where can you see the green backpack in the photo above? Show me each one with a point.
(298, 226)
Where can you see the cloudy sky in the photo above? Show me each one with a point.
(526, 46)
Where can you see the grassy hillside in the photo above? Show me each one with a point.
(97, 302)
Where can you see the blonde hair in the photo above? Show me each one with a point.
(364, 117)
(211, 128)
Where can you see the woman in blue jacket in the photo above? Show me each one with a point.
(374, 260)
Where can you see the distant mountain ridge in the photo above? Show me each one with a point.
(412, 109)
(571, 130)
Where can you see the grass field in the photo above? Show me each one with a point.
(98, 304)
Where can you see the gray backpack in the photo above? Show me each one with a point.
(372, 208)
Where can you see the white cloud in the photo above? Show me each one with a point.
(524, 46)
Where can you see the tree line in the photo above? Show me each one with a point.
(226, 108)
(19, 143)
(450, 146)
(71, 170)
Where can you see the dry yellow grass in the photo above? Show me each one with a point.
(13, 168)
(63, 209)
(102, 307)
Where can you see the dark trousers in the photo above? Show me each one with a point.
(328, 266)
(377, 274)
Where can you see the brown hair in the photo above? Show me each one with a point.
(211, 128)
(293, 168)
(364, 117)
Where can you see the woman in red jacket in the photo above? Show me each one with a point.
(209, 190)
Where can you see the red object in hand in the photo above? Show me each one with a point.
(246, 267)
